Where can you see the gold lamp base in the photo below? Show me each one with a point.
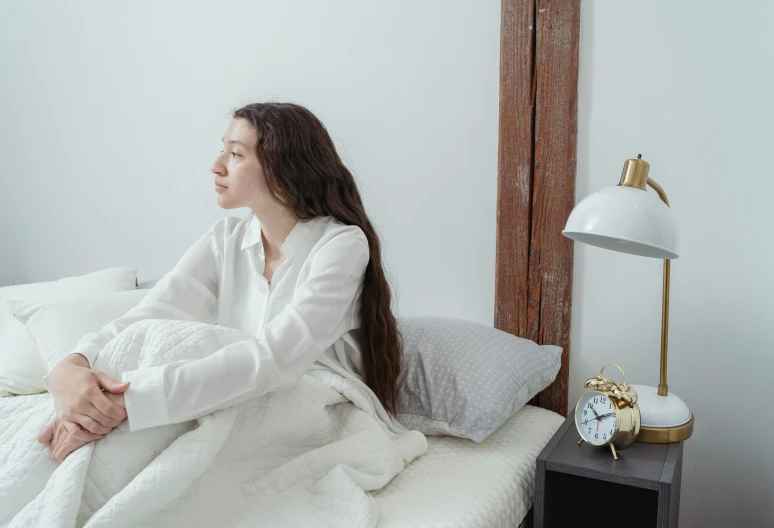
(666, 435)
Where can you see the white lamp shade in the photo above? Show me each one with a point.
(625, 219)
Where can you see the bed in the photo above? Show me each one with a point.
(252, 462)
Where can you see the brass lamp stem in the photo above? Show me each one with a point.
(663, 389)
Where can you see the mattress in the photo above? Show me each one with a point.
(460, 484)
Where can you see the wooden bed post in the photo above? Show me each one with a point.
(539, 43)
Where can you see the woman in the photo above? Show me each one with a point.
(303, 274)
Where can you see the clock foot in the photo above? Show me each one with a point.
(580, 441)
(615, 456)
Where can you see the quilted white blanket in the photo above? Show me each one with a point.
(306, 456)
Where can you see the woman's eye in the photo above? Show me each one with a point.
(234, 154)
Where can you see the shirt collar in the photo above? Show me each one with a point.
(291, 244)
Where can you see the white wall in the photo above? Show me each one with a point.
(688, 85)
(112, 114)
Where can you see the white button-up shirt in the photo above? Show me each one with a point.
(311, 309)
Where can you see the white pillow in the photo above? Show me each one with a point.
(56, 327)
(21, 369)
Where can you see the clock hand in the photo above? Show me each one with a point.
(598, 418)
(595, 412)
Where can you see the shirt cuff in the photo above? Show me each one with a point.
(145, 403)
(89, 351)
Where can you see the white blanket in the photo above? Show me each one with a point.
(306, 456)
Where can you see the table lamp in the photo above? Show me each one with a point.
(629, 219)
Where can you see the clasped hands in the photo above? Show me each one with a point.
(89, 404)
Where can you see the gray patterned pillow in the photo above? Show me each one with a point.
(466, 379)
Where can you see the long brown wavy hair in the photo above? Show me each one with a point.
(305, 174)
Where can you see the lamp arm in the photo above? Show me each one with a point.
(659, 190)
(663, 389)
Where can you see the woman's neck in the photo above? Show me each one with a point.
(275, 228)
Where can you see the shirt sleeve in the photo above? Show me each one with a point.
(277, 358)
(188, 292)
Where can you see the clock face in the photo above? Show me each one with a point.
(595, 417)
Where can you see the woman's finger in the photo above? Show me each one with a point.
(108, 408)
(58, 453)
(112, 413)
(84, 406)
(47, 435)
(78, 432)
(101, 418)
(85, 436)
(59, 434)
(63, 450)
(111, 386)
(54, 451)
(90, 425)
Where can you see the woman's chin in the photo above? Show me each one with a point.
(225, 203)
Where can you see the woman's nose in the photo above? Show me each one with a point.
(218, 167)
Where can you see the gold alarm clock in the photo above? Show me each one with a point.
(608, 414)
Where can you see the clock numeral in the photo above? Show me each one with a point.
(585, 412)
(596, 436)
(589, 429)
(590, 407)
(604, 437)
(609, 405)
(595, 400)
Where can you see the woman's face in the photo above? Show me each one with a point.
(239, 177)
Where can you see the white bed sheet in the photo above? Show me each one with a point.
(460, 484)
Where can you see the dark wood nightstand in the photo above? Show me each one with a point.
(641, 488)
